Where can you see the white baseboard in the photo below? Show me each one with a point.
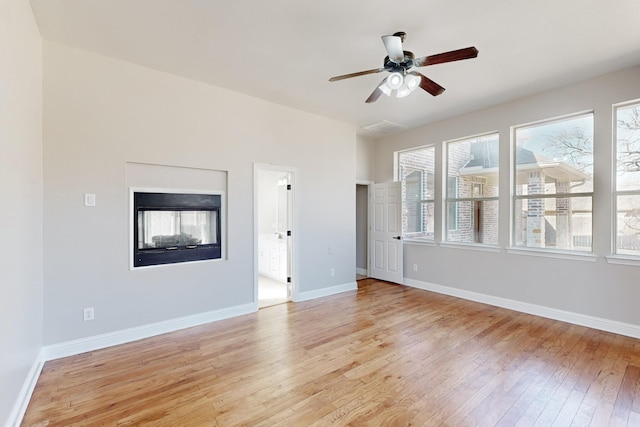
(325, 292)
(607, 325)
(22, 401)
(361, 271)
(97, 342)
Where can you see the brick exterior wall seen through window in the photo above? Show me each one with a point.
(472, 221)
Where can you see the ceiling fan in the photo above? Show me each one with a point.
(401, 81)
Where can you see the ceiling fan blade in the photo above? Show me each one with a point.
(454, 55)
(376, 93)
(393, 45)
(359, 73)
(429, 85)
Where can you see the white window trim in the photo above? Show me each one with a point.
(407, 237)
(471, 246)
(551, 253)
(448, 227)
(615, 257)
(623, 260)
(418, 241)
(447, 199)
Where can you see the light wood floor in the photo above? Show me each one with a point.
(386, 355)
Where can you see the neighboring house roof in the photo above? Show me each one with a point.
(484, 154)
(485, 158)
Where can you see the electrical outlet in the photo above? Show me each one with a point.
(88, 314)
(333, 272)
(415, 267)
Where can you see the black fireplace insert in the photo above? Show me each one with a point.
(175, 227)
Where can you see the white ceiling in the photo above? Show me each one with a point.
(285, 51)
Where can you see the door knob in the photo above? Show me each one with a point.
(397, 237)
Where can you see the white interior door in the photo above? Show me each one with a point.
(386, 232)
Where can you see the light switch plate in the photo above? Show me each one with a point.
(89, 199)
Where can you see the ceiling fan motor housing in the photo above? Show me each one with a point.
(401, 67)
(401, 34)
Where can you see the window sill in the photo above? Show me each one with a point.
(471, 247)
(545, 253)
(623, 260)
(418, 242)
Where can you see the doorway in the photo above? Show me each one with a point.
(362, 230)
(273, 189)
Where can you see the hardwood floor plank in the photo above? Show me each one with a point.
(556, 364)
(611, 379)
(624, 400)
(384, 355)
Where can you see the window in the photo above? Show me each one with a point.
(472, 190)
(627, 193)
(553, 173)
(416, 172)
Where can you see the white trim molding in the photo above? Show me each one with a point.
(471, 247)
(607, 325)
(417, 241)
(623, 260)
(22, 401)
(364, 182)
(325, 292)
(97, 342)
(546, 253)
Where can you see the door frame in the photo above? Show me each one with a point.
(292, 254)
(368, 184)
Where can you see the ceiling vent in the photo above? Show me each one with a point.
(384, 127)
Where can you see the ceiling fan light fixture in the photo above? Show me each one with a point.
(411, 82)
(395, 81)
(385, 89)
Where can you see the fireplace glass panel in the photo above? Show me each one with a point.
(174, 229)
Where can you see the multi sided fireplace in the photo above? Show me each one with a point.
(175, 227)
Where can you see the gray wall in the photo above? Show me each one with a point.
(598, 289)
(21, 190)
(365, 157)
(102, 115)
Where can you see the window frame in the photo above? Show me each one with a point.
(616, 194)
(451, 215)
(447, 199)
(417, 236)
(515, 197)
(419, 202)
